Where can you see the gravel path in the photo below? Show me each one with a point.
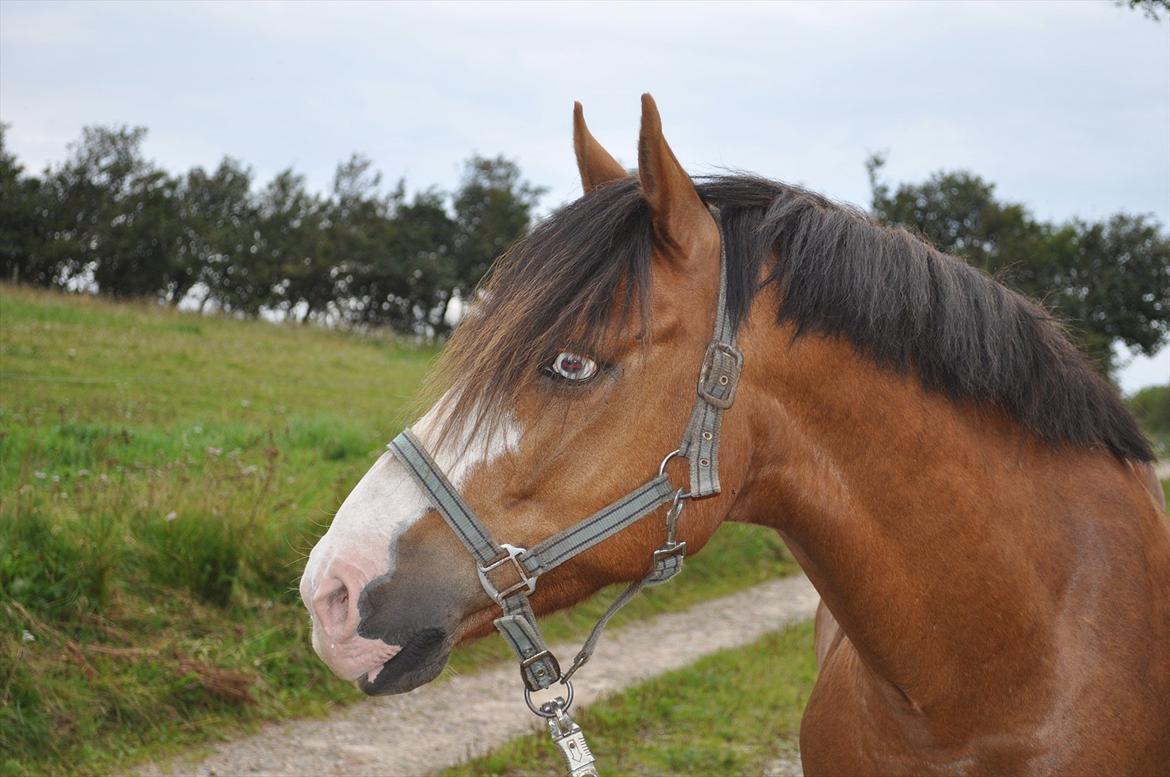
(787, 765)
(446, 723)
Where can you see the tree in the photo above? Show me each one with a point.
(493, 207)
(23, 224)
(1109, 281)
(425, 237)
(393, 257)
(108, 220)
(1150, 8)
(1116, 286)
(114, 217)
(1151, 407)
(218, 248)
(292, 260)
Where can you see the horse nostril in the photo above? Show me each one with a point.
(333, 607)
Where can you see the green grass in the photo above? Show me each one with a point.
(161, 477)
(730, 713)
(1151, 407)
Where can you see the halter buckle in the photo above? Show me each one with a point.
(546, 658)
(667, 562)
(718, 373)
(523, 581)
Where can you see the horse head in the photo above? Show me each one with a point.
(566, 384)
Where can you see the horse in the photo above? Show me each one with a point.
(971, 500)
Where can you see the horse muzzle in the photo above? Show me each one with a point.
(419, 660)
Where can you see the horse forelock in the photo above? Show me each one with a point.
(575, 280)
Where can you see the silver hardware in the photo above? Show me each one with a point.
(672, 515)
(523, 581)
(569, 737)
(669, 456)
(668, 551)
(668, 559)
(539, 670)
(579, 661)
(550, 708)
(680, 494)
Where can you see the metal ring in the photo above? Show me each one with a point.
(669, 456)
(680, 494)
(564, 706)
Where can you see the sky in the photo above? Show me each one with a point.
(1065, 106)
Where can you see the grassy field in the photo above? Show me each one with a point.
(161, 477)
(730, 713)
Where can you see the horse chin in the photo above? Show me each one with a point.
(422, 658)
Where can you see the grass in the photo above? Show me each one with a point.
(730, 713)
(161, 477)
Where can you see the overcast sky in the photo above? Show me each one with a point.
(1065, 106)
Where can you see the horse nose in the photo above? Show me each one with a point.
(335, 603)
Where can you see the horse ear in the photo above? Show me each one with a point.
(682, 223)
(597, 167)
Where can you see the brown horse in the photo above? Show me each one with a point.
(968, 497)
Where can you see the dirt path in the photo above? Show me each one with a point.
(444, 724)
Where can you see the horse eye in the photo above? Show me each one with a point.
(572, 366)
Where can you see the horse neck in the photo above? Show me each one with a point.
(940, 534)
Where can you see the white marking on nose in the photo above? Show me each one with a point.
(462, 452)
(363, 538)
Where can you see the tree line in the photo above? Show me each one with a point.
(110, 221)
(1107, 280)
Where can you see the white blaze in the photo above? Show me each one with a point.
(386, 502)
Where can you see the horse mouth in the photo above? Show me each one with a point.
(423, 655)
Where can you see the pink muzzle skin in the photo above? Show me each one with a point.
(334, 611)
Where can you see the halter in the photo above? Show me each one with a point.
(509, 573)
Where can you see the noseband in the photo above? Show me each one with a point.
(509, 573)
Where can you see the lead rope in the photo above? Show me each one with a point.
(565, 733)
(668, 562)
(520, 567)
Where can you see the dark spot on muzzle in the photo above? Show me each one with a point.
(421, 659)
(416, 612)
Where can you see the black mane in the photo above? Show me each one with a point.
(831, 269)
